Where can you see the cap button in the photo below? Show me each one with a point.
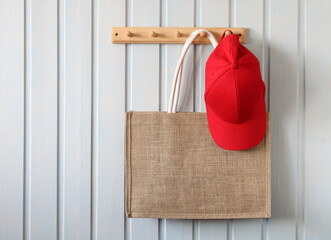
(234, 65)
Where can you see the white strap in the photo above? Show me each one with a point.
(175, 90)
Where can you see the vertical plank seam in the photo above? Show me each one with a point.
(232, 13)
(127, 229)
(61, 119)
(27, 120)
(160, 71)
(164, 22)
(125, 109)
(230, 229)
(25, 126)
(194, 83)
(94, 122)
(266, 77)
(160, 97)
(159, 229)
(197, 64)
(163, 67)
(163, 72)
(58, 123)
(196, 95)
(128, 97)
(159, 94)
(266, 49)
(193, 68)
(301, 102)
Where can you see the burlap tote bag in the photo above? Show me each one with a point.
(173, 168)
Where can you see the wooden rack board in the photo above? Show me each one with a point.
(168, 34)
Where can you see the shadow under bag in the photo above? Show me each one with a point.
(174, 169)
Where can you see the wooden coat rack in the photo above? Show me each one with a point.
(168, 34)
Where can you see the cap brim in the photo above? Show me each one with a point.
(238, 136)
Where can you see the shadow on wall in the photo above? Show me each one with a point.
(283, 108)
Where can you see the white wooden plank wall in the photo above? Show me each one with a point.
(284, 107)
(64, 89)
(75, 80)
(41, 125)
(317, 116)
(12, 84)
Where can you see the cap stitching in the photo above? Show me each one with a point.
(245, 59)
(215, 80)
(235, 82)
(232, 50)
(237, 94)
(255, 74)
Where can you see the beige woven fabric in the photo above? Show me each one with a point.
(175, 170)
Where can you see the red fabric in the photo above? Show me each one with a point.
(234, 96)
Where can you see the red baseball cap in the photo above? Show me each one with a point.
(234, 96)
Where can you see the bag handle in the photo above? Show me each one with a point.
(173, 102)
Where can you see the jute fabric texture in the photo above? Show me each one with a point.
(173, 169)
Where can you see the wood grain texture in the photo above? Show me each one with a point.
(208, 13)
(108, 117)
(317, 151)
(143, 91)
(12, 120)
(284, 123)
(174, 35)
(41, 120)
(75, 120)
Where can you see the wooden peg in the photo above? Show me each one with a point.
(203, 34)
(227, 33)
(153, 34)
(161, 35)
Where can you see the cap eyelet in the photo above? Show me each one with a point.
(234, 65)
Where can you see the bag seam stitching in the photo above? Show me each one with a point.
(128, 168)
(266, 213)
(201, 215)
